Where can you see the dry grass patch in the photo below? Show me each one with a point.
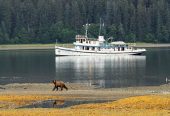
(20, 100)
(153, 105)
(82, 112)
(160, 102)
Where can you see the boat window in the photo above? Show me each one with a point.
(118, 48)
(123, 48)
(99, 48)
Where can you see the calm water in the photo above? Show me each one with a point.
(61, 103)
(41, 66)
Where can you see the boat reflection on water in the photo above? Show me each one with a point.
(102, 71)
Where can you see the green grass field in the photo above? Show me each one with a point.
(31, 46)
(69, 45)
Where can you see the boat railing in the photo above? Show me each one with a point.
(67, 46)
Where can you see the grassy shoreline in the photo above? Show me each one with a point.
(151, 105)
(31, 46)
(150, 45)
(139, 101)
(52, 46)
(26, 46)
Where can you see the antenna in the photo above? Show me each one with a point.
(56, 41)
(86, 28)
(134, 41)
(101, 25)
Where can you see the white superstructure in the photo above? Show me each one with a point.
(84, 46)
(88, 47)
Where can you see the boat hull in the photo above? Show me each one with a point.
(61, 51)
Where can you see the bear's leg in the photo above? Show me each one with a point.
(61, 88)
(54, 88)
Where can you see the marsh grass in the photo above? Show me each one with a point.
(21, 100)
(152, 105)
(33, 46)
(68, 45)
(83, 112)
(142, 102)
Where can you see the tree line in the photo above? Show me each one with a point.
(44, 21)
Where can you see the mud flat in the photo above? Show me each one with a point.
(82, 90)
(148, 100)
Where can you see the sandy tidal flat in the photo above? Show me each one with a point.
(137, 101)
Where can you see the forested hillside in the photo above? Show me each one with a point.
(44, 21)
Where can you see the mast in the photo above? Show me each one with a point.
(86, 28)
(100, 27)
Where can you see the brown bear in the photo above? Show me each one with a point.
(59, 84)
